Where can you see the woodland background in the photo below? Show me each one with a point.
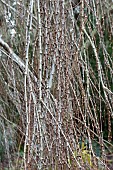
(56, 84)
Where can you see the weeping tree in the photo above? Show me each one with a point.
(56, 85)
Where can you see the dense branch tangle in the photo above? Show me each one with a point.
(65, 66)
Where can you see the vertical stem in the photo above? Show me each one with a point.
(28, 32)
(40, 85)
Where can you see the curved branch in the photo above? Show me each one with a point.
(15, 58)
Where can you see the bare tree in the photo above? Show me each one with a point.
(56, 83)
